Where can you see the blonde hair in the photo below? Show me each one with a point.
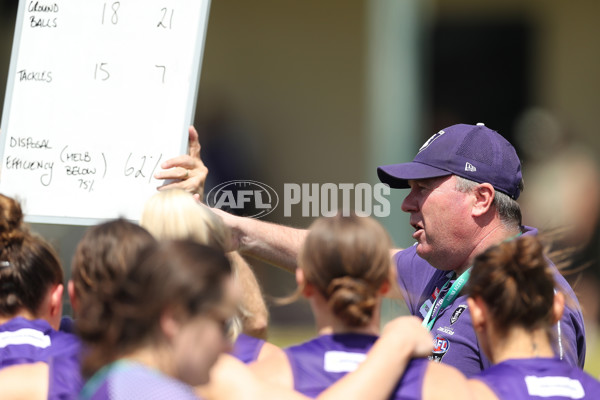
(174, 215)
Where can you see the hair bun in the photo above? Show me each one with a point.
(352, 300)
(11, 220)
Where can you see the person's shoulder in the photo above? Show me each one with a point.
(268, 349)
(408, 259)
(588, 380)
(408, 252)
(444, 381)
(274, 368)
(479, 390)
(65, 343)
(25, 381)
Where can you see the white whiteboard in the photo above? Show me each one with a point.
(99, 93)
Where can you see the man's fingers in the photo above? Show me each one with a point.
(189, 185)
(181, 161)
(193, 143)
(186, 172)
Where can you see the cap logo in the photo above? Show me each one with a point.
(430, 140)
(470, 167)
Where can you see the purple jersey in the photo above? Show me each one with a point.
(320, 362)
(123, 380)
(246, 348)
(25, 341)
(455, 340)
(539, 378)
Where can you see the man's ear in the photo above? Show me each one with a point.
(558, 307)
(483, 197)
(73, 296)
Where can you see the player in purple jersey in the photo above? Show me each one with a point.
(31, 288)
(167, 317)
(514, 305)
(164, 326)
(464, 183)
(344, 270)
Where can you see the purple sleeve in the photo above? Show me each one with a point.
(570, 331)
(414, 276)
(65, 380)
(247, 348)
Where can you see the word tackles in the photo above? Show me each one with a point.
(34, 76)
(244, 197)
(316, 200)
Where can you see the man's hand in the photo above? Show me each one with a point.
(409, 333)
(186, 172)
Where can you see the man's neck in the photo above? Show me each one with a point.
(493, 236)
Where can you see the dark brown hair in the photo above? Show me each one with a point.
(104, 255)
(29, 266)
(515, 282)
(181, 275)
(347, 259)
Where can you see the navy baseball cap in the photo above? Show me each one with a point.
(474, 152)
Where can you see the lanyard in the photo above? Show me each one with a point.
(454, 290)
(443, 302)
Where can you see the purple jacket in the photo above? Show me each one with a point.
(455, 340)
(24, 341)
(320, 362)
(539, 378)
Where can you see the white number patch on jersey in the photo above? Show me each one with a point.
(342, 361)
(554, 386)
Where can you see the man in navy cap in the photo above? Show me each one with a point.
(464, 183)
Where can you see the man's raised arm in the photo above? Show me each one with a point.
(276, 244)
